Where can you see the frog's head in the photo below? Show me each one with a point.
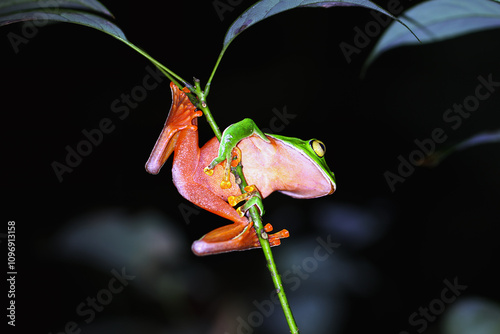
(315, 171)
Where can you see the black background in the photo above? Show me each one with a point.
(396, 247)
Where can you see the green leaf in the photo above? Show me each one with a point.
(83, 12)
(68, 16)
(267, 8)
(437, 20)
(12, 6)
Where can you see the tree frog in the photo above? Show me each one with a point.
(270, 163)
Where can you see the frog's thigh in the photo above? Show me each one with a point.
(206, 199)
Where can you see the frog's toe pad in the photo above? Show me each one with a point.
(277, 236)
(225, 184)
(274, 239)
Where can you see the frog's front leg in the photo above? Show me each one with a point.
(231, 136)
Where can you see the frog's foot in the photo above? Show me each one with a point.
(232, 159)
(274, 239)
(181, 116)
(234, 237)
(252, 197)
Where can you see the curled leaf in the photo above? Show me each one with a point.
(13, 6)
(89, 13)
(267, 8)
(83, 12)
(437, 20)
(86, 19)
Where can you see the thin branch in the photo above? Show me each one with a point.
(258, 226)
(266, 248)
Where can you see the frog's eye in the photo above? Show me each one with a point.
(318, 147)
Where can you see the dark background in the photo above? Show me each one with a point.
(396, 248)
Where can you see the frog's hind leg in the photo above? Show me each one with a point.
(238, 236)
(234, 237)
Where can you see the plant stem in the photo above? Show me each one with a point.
(206, 111)
(165, 70)
(271, 265)
(258, 226)
(209, 82)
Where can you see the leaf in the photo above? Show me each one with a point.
(437, 20)
(68, 16)
(267, 8)
(12, 6)
(71, 11)
(83, 12)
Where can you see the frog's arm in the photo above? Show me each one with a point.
(232, 135)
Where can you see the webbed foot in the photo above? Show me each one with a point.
(235, 237)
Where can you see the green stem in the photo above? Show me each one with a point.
(209, 82)
(206, 111)
(177, 80)
(271, 265)
(168, 73)
(256, 218)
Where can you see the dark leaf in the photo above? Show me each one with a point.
(267, 8)
(12, 6)
(82, 18)
(88, 13)
(437, 20)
